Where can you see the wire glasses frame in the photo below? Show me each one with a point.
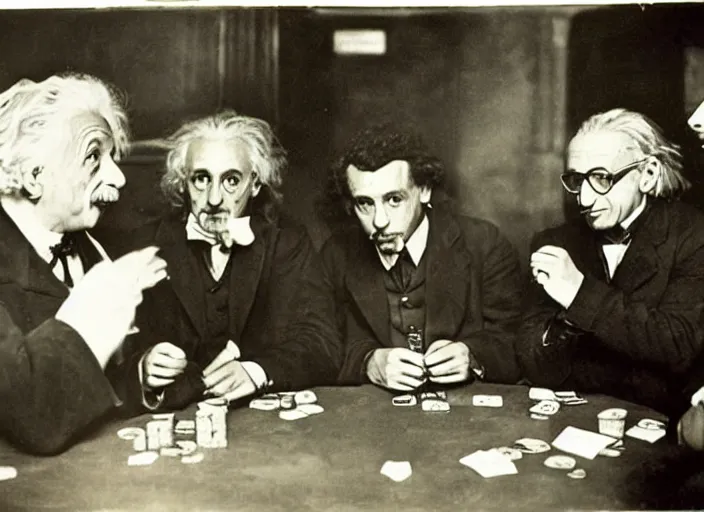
(599, 179)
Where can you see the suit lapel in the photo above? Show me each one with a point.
(183, 270)
(448, 272)
(246, 272)
(366, 285)
(24, 266)
(640, 263)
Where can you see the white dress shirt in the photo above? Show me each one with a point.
(614, 253)
(23, 215)
(416, 245)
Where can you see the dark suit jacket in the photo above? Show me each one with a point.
(51, 385)
(275, 316)
(472, 293)
(636, 337)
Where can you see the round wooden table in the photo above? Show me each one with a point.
(332, 461)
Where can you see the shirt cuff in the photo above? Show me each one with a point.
(150, 399)
(256, 373)
(475, 366)
(364, 374)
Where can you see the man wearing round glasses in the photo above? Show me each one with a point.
(618, 303)
(234, 318)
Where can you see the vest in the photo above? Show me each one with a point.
(406, 304)
(216, 299)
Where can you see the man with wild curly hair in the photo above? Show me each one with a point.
(423, 295)
(65, 308)
(618, 300)
(235, 318)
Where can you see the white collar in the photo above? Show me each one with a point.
(416, 246)
(635, 213)
(24, 215)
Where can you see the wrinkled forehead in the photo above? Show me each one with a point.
(72, 136)
(218, 155)
(599, 149)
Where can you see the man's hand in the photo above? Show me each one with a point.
(162, 364)
(225, 377)
(447, 361)
(555, 271)
(396, 368)
(101, 307)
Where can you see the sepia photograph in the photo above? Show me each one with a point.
(357, 256)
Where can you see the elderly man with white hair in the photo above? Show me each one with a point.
(65, 308)
(243, 311)
(618, 302)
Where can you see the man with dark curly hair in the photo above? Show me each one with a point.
(422, 294)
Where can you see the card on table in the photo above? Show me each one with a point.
(581, 442)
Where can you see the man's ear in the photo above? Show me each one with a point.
(33, 183)
(256, 186)
(650, 176)
(425, 194)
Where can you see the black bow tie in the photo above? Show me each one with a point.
(68, 246)
(616, 235)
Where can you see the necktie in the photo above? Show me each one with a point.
(403, 269)
(238, 232)
(616, 235)
(60, 253)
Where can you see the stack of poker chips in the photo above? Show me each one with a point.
(211, 423)
(164, 436)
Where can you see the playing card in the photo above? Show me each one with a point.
(490, 463)
(487, 401)
(582, 442)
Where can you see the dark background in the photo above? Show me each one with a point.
(496, 91)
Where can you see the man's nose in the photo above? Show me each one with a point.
(586, 196)
(113, 175)
(381, 218)
(214, 194)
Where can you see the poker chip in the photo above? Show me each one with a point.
(170, 451)
(287, 402)
(539, 416)
(7, 473)
(305, 397)
(530, 445)
(129, 433)
(431, 405)
(541, 394)
(292, 414)
(187, 447)
(216, 401)
(649, 424)
(142, 459)
(163, 416)
(610, 452)
(193, 459)
(404, 400)
(560, 462)
(265, 404)
(310, 409)
(577, 474)
(545, 407)
(511, 453)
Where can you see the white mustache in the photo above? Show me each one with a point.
(105, 194)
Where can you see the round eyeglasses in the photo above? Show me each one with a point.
(601, 180)
(230, 182)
